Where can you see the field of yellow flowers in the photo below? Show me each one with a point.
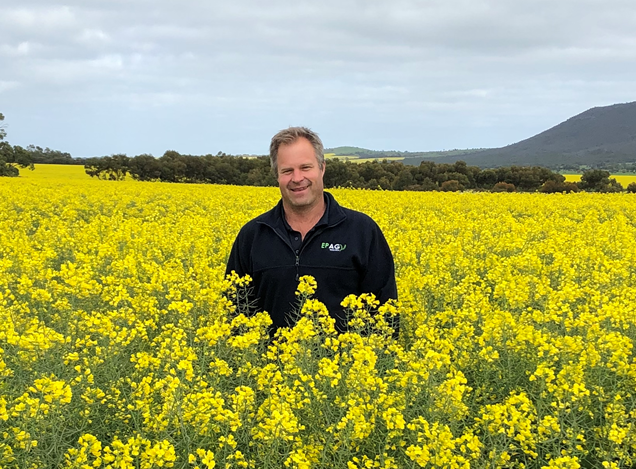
(122, 345)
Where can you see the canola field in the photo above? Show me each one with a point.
(624, 179)
(122, 345)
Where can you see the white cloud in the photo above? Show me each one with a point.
(20, 49)
(107, 62)
(93, 36)
(482, 71)
(48, 17)
(8, 85)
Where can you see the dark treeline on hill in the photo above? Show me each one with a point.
(385, 175)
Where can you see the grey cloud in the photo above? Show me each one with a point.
(373, 71)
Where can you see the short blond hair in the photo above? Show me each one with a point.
(289, 136)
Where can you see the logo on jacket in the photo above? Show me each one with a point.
(334, 247)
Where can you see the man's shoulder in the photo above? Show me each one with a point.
(356, 217)
(349, 215)
(267, 218)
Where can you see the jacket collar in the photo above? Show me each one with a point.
(275, 217)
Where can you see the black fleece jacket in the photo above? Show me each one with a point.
(345, 252)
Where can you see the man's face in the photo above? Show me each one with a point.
(299, 176)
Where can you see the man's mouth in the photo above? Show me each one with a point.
(298, 189)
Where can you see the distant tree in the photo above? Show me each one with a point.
(486, 178)
(145, 168)
(12, 157)
(594, 180)
(503, 187)
(470, 172)
(47, 156)
(3, 133)
(261, 174)
(631, 187)
(598, 180)
(524, 178)
(342, 174)
(426, 170)
(427, 184)
(613, 186)
(367, 172)
(552, 186)
(452, 185)
(6, 156)
(22, 158)
(404, 180)
(111, 168)
(447, 173)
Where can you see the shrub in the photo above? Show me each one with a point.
(451, 186)
(594, 180)
(552, 186)
(613, 186)
(503, 187)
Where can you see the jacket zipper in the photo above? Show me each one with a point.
(297, 254)
(314, 234)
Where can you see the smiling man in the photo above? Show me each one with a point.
(309, 233)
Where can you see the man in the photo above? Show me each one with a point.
(309, 233)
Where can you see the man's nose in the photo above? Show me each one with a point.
(297, 176)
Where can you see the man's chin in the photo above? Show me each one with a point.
(299, 201)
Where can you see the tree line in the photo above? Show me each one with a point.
(256, 171)
(384, 175)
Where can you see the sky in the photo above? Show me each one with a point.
(99, 77)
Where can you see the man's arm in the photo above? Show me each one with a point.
(379, 277)
(238, 261)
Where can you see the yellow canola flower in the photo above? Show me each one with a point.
(564, 462)
(516, 333)
(306, 286)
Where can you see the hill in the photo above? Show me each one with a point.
(600, 136)
(379, 154)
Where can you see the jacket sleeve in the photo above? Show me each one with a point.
(380, 274)
(238, 259)
(379, 277)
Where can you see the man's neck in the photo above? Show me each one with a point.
(303, 219)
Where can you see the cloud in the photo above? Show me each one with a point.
(8, 85)
(20, 49)
(476, 73)
(46, 17)
(91, 36)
